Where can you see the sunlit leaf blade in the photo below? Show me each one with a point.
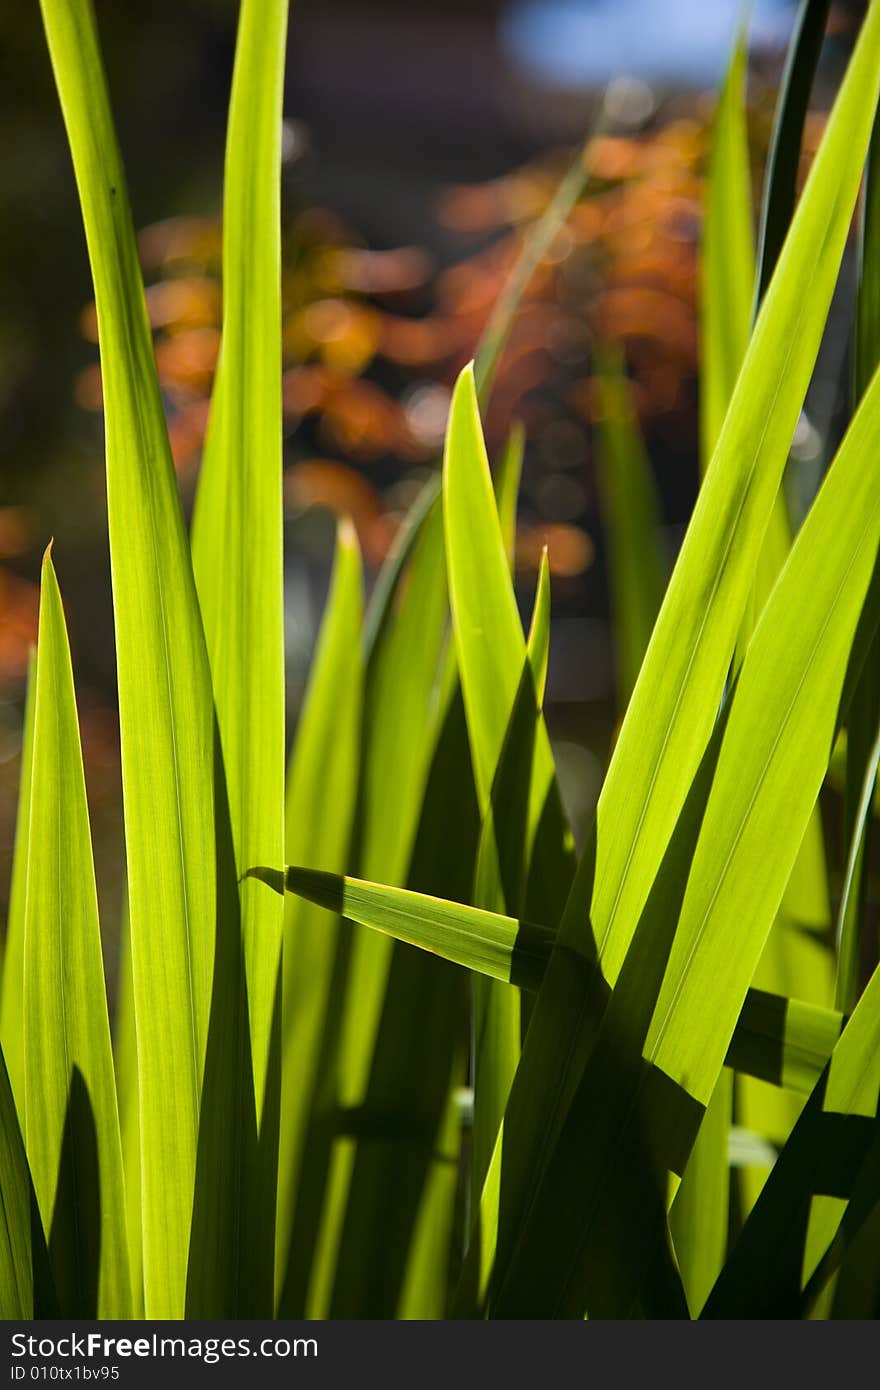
(674, 703)
(788, 955)
(399, 1238)
(237, 556)
(782, 1041)
(863, 731)
(495, 675)
(402, 707)
(673, 708)
(699, 1215)
(772, 761)
(26, 1289)
(12, 981)
(125, 1065)
(489, 638)
(836, 1135)
(165, 704)
(631, 517)
(727, 257)
(321, 791)
(506, 481)
(780, 178)
(500, 880)
(488, 942)
(72, 1124)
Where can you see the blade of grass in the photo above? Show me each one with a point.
(631, 515)
(863, 732)
(782, 1041)
(126, 1068)
(26, 1289)
(72, 1124)
(727, 255)
(676, 697)
(490, 943)
(500, 880)
(401, 710)
(12, 980)
(165, 702)
(699, 1215)
(493, 662)
(765, 1273)
(396, 1243)
(321, 793)
(237, 557)
(506, 482)
(780, 179)
(773, 757)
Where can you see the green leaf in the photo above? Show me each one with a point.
(321, 792)
(12, 981)
(700, 1212)
(500, 882)
(506, 483)
(863, 731)
(402, 709)
(165, 703)
(783, 158)
(782, 1041)
(631, 516)
(490, 943)
(773, 756)
(25, 1280)
(833, 1143)
(126, 1068)
(237, 557)
(72, 1125)
(398, 1236)
(495, 678)
(727, 258)
(674, 705)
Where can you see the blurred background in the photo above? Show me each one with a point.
(419, 143)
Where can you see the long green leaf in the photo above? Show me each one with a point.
(673, 708)
(237, 556)
(631, 515)
(863, 731)
(72, 1124)
(727, 258)
(402, 707)
(780, 180)
(493, 662)
(399, 1238)
(126, 1067)
(773, 756)
(699, 1218)
(321, 793)
(165, 702)
(12, 981)
(834, 1137)
(781, 1041)
(26, 1289)
(500, 881)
